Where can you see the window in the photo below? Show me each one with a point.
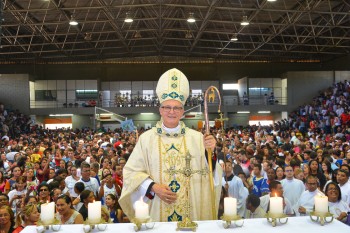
(196, 92)
(230, 86)
(45, 95)
(125, 93)
(86, 94)
(147, 94)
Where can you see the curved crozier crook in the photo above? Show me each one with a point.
(210, 97)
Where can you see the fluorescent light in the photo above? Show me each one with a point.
(234, 37)
(106, 114)
(264, 111)
(271, 0)
(230, 86)
(72, 21)
(242, 112)
(146, 113)
(128, 18)
(56, 115)
(195, 113)
(245, 21)
(191, 18)
(83, 91)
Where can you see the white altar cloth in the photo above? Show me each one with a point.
(294, 225)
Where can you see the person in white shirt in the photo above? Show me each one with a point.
(253, 207)
(337, 207)
(235, 188)
(293, 188)
(16, 196)
(71, 181)
(342, 179)
(307, 199)
(89, 182)
(276, 189)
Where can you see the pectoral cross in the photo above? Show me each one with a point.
(188, 172)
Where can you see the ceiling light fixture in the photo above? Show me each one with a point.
(72, 21)
(191, 18)
(188, 35)
(137, 35)
(264, 112)
(245, 21)
(243, 112)
(88, 36)
(234, 37)
(128, 18)
(271, 0)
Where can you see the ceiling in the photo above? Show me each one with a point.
(284, 30)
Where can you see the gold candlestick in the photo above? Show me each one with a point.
(54, 225)
(272, 218)
(323, 218)
(229, 218)
(88, 227)
(139, 221)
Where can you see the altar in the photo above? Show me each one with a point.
(294, 225)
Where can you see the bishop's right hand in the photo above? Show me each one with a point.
(164, 193)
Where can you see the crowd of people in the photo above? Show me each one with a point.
(298, 158)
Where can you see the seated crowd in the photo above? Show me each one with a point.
(307, 155)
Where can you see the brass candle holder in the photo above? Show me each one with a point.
(139, 221)
(100, 226)
(186, 224)
(229, 218)
(323, 218)
(272, 218)
(54, 225)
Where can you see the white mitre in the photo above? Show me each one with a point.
(173, 85)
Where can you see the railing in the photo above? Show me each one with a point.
(152, 102)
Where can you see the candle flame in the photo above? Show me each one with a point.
(275, 194)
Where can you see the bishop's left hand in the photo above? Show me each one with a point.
(209, 142)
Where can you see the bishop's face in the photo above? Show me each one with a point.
(171, 111)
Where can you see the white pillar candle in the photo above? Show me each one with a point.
(141, 210)
(321, 204)
(47, 213)
(276, 205)
(230, 206)
(94, 212)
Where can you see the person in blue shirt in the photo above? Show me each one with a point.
(258, 180)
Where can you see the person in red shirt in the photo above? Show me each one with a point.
(118, 176)
(42, 173)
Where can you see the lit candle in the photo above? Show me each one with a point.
(47, 213)
(141, 210)
(276, 205)
(94, 212)
(230, 206)
(321, 204)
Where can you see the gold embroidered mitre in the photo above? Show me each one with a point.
(173, 85)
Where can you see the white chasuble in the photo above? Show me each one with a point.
(155, 154)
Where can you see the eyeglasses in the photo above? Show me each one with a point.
(43, 190)
(312, 183)
(332, 189)
(175, 109)
(4, 215)
(288, 170)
